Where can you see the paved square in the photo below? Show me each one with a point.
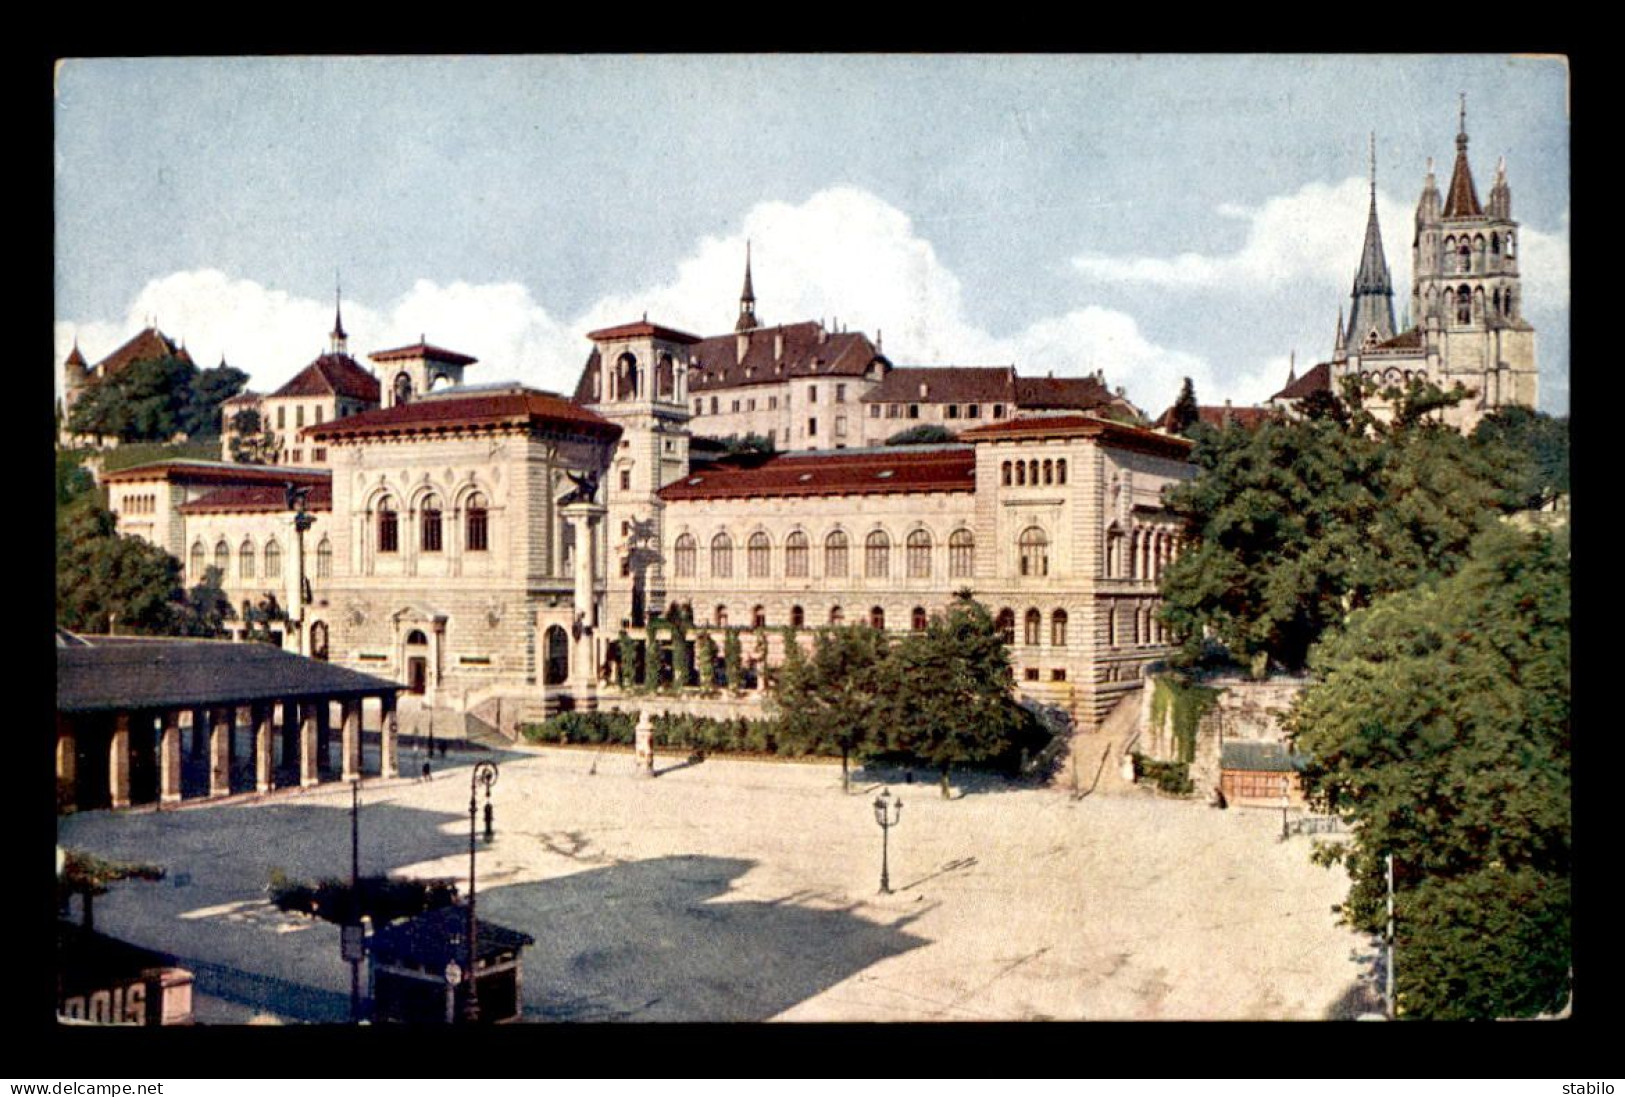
(747, 891)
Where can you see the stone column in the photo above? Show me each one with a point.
(169, 760)
(388, 728)
(583, 679)
(351, 747)
(308, 773)
(118, 762)
(221, 720)
(264, 772)
(67, 762)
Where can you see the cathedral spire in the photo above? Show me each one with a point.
(1462, 198)
(747, 299)
(1371, 316)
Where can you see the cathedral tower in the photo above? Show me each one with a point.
(1371, 312)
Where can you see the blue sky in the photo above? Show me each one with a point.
(1152, 217)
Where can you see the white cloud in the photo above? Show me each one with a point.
(1311, 236)
(843, 256)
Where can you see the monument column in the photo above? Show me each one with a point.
(388, 760)
(585, 518)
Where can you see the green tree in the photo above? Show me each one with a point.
(205, 609)
(923, 434)
(1438, 725)
(835, 700)
(651, 659)
(681, 663)
(209, 389)
(252, 440)
(950, 692)
(733, 661)
(1186, 414)
(87, 876)
(1538, 448)
(705, 662)
(626, 673)
(106, 582)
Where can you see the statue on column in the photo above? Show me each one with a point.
(585, 491)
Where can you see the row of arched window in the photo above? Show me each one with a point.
(140, 504)
(431, 522)
(918, 553)
(1139, 554)
(1394, 376)
(253, 564)
(1134, 624)
(1467, 252)
(1032, 630)
(1033, 472)
(1464, 303)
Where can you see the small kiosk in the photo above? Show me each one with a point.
(418, 969)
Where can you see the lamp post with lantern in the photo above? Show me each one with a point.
(887, 813)
(484, 773)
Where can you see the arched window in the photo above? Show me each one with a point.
(389, 530)
(197, 559)
(1464, 305)
(403, 389)
(683, 556)
(918, 620)
(1034, 545)
(961, 553)
(1464, 256)
(835, 555)
(1004, 471)
(626, 377)
(1134, 555)
(1049, 471)
(245, 560)
(1005, 623)
(476, 524)
(556, 668)
(1060, 471)
(877, 618)
(1057, 628)
(324, 559)
(722, 557)
(836, 617)
(1111, 625)
(222, 558)
(1114, 551)
(877, 555)
(273, 560)
(1021, 473)
(758, 617)
(665, 376)
(795, 556)
(759, 556)
(429, 537)
(721, 617)
(1033, 628)
(919, 554)
(1032, 472)
(798, 617)
(318, 640)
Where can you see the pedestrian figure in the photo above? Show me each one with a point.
(425, 769)
(442, 748)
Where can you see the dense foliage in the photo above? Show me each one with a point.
(156, 399)
(1186, 413)
(1291, 526)
(383, 899)
(923, 434)
(1438, 724)
(253, 442)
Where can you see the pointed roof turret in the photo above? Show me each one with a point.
(1339, 348)
(1462, 199)
(75, 358)
(338, 340)
(1501, 194)
(1292, 367)
(1372, 313)
(747, 299)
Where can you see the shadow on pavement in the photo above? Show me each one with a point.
(641, 941)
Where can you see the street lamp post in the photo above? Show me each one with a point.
(887, 814)
(484, 773)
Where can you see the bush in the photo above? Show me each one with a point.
(1170, 777)
(384, 899)
(582, 727)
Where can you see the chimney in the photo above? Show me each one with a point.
(744, 345)
(778, 343)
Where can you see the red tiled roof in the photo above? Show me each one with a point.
(146, 344)
(641, 328)
(903, 470)
(1318, 379)
(218, 472)
(336, 375)
(1405, 340)
(255, 498)
(525, 407)
(945, 385)
(423, 350)
(1061, 393)
(1219, 415)
(1079, 426)
(74, 357)
(1462, 197)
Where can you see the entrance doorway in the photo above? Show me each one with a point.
(417, 661)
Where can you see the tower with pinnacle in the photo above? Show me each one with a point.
(1371, 309)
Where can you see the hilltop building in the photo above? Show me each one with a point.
(78, 377)
(1466, 300)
